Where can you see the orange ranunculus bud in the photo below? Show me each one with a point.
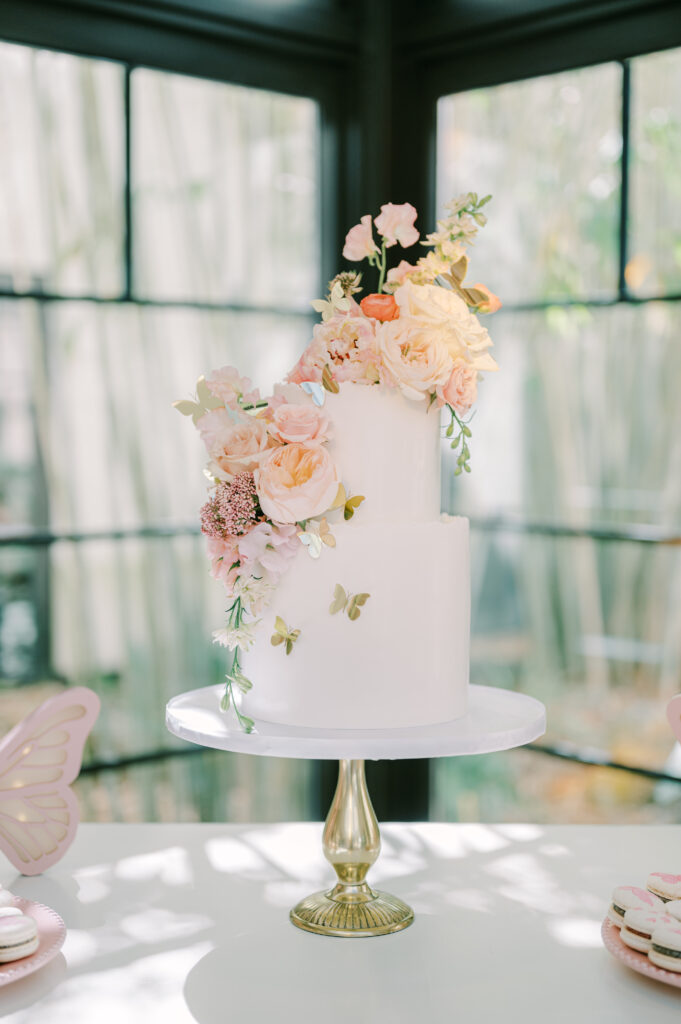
(380, 307)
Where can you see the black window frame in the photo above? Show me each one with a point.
(377, 69)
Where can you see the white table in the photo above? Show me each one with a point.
(181, 923)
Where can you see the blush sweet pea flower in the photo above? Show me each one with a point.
(396, 223)
(268, 548)
(359, 241)
(461, 390)
(229, 386)
(398, 275)
(296, 481)
(290, 423)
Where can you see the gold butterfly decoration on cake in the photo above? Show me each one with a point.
(345, 602)
(349, 505)
(205, 401)
(315, 536)
(283, 635)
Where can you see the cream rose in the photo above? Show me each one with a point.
(461, 390)
(412, 359)
(296, 481)
(446, 319)
(301, 423)
(234, 445)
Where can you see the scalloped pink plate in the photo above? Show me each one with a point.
(51, 934)
(610, 934)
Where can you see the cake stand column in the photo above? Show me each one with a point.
(351, 842)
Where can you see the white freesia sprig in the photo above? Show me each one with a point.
(242, 636)
(255, 593)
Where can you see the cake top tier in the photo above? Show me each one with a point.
(387, 450)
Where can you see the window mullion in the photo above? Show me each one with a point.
(624, 183)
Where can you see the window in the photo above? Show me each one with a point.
(575, 499)
(152, 226)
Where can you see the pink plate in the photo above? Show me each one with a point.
(51, 934)
(610, 934)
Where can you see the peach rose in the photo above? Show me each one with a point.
(461, 390)
(301, 423)
(234, 445)
(412, 360)
(296, 481)
(380, 307)
(396, 223)
(359, 241)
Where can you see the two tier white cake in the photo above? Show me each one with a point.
(348, 592)
(404, 661)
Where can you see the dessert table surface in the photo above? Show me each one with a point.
(182, 923)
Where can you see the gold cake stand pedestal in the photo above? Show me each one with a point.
(496, 720)
(351, 842)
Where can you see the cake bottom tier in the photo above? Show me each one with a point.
(403, 662)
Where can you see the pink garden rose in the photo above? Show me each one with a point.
(347, 344)
(359, 241)
(411, 359)
(461, 390)
(396, 223)
(296, 481)
(310, 364)
(299, 423)
(228, 385)
(268, 548)
(234, 445)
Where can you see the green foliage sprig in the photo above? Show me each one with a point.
(235, 676)
(462, 437)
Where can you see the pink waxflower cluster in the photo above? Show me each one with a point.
(232, 509)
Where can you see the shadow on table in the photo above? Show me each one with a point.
(26, 991)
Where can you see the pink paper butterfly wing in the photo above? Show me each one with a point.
(39, 758)
(674, 715)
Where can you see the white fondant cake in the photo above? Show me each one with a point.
(404, 660)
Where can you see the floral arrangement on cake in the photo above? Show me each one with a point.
(274, 486)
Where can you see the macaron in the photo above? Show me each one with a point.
(18, 936)
(631, 897)
(638, 926)
(667, 887)
(665, 947)
(6, 898)
(673, 908)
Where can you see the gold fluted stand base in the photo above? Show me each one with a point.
(351, 843)
(379, 914)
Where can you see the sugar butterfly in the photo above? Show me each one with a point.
(39, 759)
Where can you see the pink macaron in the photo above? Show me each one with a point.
(631, 897)
(667, 887)
(638, 926)
(665, 946)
